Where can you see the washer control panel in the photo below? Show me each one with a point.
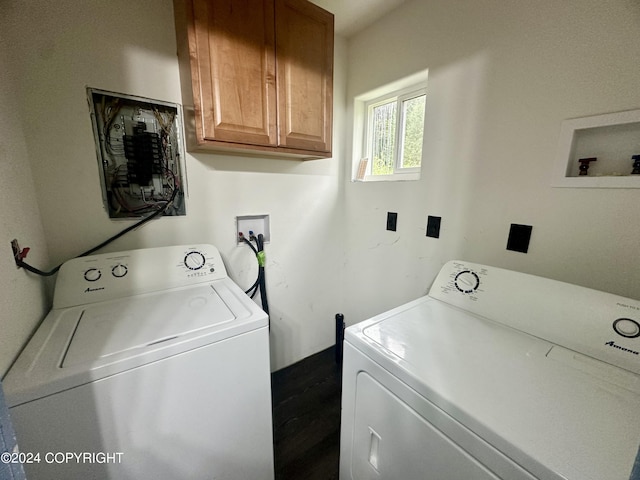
(93, 274)
(597, 324)
(112, 275)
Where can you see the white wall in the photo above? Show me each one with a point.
(23, 299)
(502, 77)
(60, 48)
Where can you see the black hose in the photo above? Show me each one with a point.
(261, 276)
(251, 245)
(251, 291)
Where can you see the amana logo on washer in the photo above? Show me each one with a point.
(613, 344)
(89, 289)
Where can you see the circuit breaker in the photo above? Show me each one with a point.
(138, 142)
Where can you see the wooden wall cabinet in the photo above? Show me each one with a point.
(257, 76)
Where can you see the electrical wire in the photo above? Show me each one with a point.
(109, 114)
(125, 201)
(120, 196)
(21, 263)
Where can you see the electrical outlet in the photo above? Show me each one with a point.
(15, 248)
(252, 223)
(433, 226)
(519, 238)
(392, 221)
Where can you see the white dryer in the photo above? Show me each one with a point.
(153, 364)
(494, 375)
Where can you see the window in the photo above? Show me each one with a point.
(389, 126)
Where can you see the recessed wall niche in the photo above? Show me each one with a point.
(612, 139)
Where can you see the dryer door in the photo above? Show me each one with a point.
(391, 440)
(390, 431)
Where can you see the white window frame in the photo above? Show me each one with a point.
(398, 98)
(399, 92)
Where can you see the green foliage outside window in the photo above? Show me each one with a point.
(384, 122)
(384, 138)
(413, 131)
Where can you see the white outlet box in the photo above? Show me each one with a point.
(253, 223)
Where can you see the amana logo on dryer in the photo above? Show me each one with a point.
(89, 289)
(612, 344)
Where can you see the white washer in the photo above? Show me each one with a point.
(494, 375)
(153, 364)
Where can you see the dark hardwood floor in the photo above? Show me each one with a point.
(306, 418)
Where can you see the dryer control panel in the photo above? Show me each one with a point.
(108, 276)
(598, 324)
(462, 279)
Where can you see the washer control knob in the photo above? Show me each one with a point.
(467, 281)
(194, 260)
(92, 275)
(627, 327)
(119, 271)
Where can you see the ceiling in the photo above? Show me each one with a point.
(351, 16)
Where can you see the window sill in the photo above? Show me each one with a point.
(398, 177)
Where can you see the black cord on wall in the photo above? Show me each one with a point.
(21, 263)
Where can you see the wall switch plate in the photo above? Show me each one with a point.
(519, 237)
(252, 223)
(392, 221)
(433, 226)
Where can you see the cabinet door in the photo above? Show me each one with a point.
(304, 52)
(234, 94)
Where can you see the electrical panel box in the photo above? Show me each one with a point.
(139, 147)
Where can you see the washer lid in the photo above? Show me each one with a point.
(77, 345)
(115, 329)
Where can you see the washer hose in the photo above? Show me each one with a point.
(261, 276)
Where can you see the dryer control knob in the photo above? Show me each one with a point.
(92, 275)
(467, 281)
